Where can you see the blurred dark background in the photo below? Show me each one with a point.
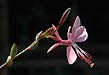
(21, 20)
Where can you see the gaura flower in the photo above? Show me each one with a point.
(75, 34)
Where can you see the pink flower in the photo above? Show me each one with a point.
(75, 34)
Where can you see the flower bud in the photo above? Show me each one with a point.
(9, 61)
(48, 32)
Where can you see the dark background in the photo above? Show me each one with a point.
(21, 20)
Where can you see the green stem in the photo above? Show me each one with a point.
(3, 65)
(20, 53)
(32, 46)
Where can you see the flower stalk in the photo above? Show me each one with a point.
(14, 53)
(76, 33)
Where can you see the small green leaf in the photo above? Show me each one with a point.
(13, 51)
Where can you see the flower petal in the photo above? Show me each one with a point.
(53, 47)
(71, 55)
(81, 34)
(76, 24)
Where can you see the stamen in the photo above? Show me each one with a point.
(83, 55)
(83, 52)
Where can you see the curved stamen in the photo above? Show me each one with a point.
(83, 55)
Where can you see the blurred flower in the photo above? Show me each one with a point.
(78, 34)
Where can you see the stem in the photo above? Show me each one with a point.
(20, 53)
(3, 65)
(32, 46)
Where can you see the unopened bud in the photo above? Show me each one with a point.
(9, 61)
(48, 32)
